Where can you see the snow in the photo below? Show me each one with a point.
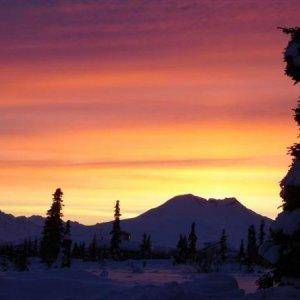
(293, 50)
(269, 251)
(158, 280)
(276, 293)
(292, 177)
(287, 221)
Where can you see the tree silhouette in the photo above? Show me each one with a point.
(146, 245)
(115, 241)
(192, 242)
(241, 254)
(66, 247)
(93, 249)
(21, 258)
(53, 230)
(252, 249)
(182, 250)
(287, 240)
(223, 246)
(261, 234)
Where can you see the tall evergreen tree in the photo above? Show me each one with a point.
(223, 246)
(93, 249)
(192, 242)
(252, 249)
(146, 245)
(261, 234)
(182, 249)
(115, 241)
(66, 247)
(4, 263)
(21, 258)
(285, 236)
(53, 230)
(241, 254)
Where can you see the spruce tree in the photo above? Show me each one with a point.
(4, 263)
(93, 249)
(241, 254)
(192, 242)
(261, 235)
(182, 249)
(146, 244)
(35, 247)
(82, 250)
(252, 249)
(223, 246)
(66, 247)
(21, 258)
(53, 230)
(115, 241)
(285, 236)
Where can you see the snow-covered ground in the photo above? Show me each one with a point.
(157, 279)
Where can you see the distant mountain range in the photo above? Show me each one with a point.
(164, 223)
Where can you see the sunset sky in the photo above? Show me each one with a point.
(143, 100)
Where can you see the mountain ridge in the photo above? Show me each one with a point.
(164, 222)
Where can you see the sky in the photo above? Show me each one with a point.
(139, 101)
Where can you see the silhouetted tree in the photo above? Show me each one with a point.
(261, 234)
(241, 254)
(286, 243)
(66, 247)
(252, 249)
(223, 246)
(146, 245)
(53, 230)
(93, 249)
(192, 242)
(4, 262)
(78, 250)
(75, 251)
(182, 250)
(21, 258)
(115, 241)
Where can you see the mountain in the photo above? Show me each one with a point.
(164, 223)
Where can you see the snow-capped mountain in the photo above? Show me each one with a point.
(164, 223)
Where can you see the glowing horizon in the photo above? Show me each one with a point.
(139, 102)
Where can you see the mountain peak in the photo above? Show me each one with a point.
(225, 201)
(186, 197)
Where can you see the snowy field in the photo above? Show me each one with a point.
(131, 280)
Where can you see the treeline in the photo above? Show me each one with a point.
(213, 255)
(56, 248)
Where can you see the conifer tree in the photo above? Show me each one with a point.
(53, 230)
(82, 250)
(66, 247)
(223, 246)
(3, 263)
(261, 235)
(75, 251)
(115, 241)
(93, 249)
(285, 236)
(146, 244)
(241, 254)
(182, 249)
(252, 249)
(21, 258)
(78, 250)
(35, 247)
(192, 242)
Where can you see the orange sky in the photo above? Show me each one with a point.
(140, 101)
